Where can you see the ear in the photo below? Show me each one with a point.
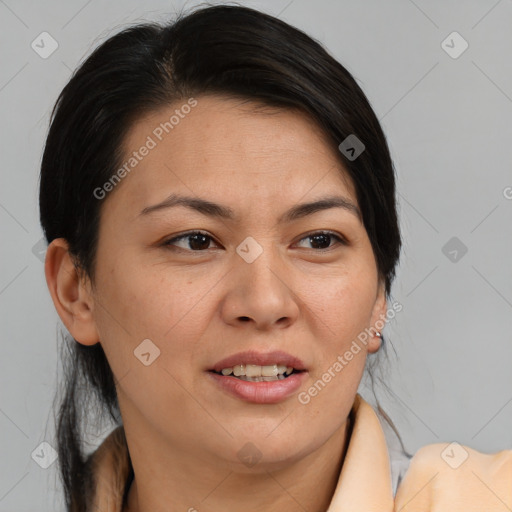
(71, 295)
(378, 318)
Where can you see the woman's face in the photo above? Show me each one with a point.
(256, 281)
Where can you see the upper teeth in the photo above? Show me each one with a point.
(255, 370)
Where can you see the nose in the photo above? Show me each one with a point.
(261, 292)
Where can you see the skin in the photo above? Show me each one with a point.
(198, 307)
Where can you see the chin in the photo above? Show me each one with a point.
(261, 453)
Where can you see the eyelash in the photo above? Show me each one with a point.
(168, 243)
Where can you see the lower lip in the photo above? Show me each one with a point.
(269, 392)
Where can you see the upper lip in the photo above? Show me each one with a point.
(259, 358)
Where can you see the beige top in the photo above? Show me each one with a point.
(441, 477)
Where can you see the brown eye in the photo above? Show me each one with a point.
(197, 241)
(321, 240)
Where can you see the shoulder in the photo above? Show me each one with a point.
(458, 477)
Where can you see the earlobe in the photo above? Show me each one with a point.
(71, 298)
(378, 319)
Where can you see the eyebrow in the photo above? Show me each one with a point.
(211, 209)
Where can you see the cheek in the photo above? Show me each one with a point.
(344, 304)
(341, 316)
(343, 311)
(145, 302)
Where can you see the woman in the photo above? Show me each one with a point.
(219, 203)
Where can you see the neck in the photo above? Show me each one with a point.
(306, 484)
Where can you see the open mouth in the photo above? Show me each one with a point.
(269, 383)
(255, 373)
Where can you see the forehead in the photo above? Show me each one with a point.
(230, 149)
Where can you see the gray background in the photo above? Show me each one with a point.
(448, 122)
